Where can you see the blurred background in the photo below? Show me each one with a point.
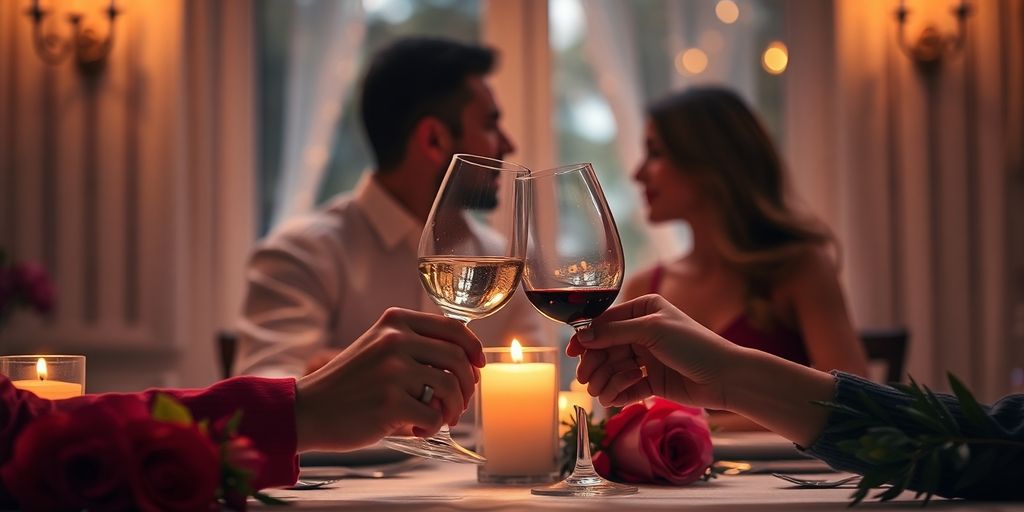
(141, 163)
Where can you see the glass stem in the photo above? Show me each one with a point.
(584, 465)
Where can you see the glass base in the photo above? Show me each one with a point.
(584, 481)
(585, 486)
(439, 446)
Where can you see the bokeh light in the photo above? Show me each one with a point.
(727, 11)
(775, 58)
(692, 61)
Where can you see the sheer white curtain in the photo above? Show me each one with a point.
(326, 37)
(611, 50)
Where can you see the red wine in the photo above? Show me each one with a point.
(574, 306)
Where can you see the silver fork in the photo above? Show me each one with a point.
(308, 485)
(339, 472)
(805, 483)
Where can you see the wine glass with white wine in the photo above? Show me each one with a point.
(470, 260)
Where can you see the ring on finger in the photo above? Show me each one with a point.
(428, 394)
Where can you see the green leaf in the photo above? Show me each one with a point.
(873, 408)
(859, 495)
(923, 406)
(971, 408)
(925, 420)
(267, 499)
(231, 428)
(947, 418)
(169, 410)
(875, 478)
(931, 473)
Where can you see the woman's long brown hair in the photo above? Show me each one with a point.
(711, 134)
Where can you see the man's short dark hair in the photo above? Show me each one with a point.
(414, 78)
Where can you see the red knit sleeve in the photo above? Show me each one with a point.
(267, 405)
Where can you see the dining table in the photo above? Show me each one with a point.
(442, 486)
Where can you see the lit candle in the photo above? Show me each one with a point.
(567, 399)
(517, 408)
(51, 389)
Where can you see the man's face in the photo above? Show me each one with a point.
(481, 129)
(481, 135)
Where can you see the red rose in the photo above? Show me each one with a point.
(242, 455)
(177, 468)
(34, 284)
(655, 441)
(6, 289)
(71, 461)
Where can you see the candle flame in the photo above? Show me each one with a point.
(517, 351)
(41, 369)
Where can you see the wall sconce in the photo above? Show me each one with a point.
(89, 49)
(931, 45)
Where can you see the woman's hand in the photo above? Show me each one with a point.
(373, 388)
(688, 363)
(684, 361)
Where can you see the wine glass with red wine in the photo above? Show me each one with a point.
(573, 272)
(470, 261)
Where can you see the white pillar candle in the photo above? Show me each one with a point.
(518, 409)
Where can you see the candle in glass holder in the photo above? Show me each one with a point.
(67, 379)
(517, 419)
(577, 395)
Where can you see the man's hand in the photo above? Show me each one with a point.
(373, 388)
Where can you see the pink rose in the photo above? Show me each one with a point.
(71, 461)
(655, 441)
(177, 468)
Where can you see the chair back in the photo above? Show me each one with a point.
(227, 345)
(888, 346)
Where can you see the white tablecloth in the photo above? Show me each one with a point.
(437, 486)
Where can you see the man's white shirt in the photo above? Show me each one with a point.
(320, 281)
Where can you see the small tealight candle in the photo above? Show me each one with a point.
(50, 377)
(517, 416)
(577, 395)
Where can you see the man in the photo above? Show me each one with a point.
(320, 281)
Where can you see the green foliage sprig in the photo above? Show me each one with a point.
(936, 446)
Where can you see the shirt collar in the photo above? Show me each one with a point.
(392, 222)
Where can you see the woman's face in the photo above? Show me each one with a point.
(670, 193)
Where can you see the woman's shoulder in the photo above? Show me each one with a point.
(811, 267)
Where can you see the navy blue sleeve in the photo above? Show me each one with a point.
(1004, 482)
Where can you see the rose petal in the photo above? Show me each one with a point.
(629, 460)
(602, 464)
(662, 403)
(616, 423)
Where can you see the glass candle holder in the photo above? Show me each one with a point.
(517, 415)
(54, 377)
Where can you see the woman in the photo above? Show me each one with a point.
(759, 274)
(647, 347)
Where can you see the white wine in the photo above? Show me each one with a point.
(470, 287)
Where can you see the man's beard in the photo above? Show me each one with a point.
(472, 197)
